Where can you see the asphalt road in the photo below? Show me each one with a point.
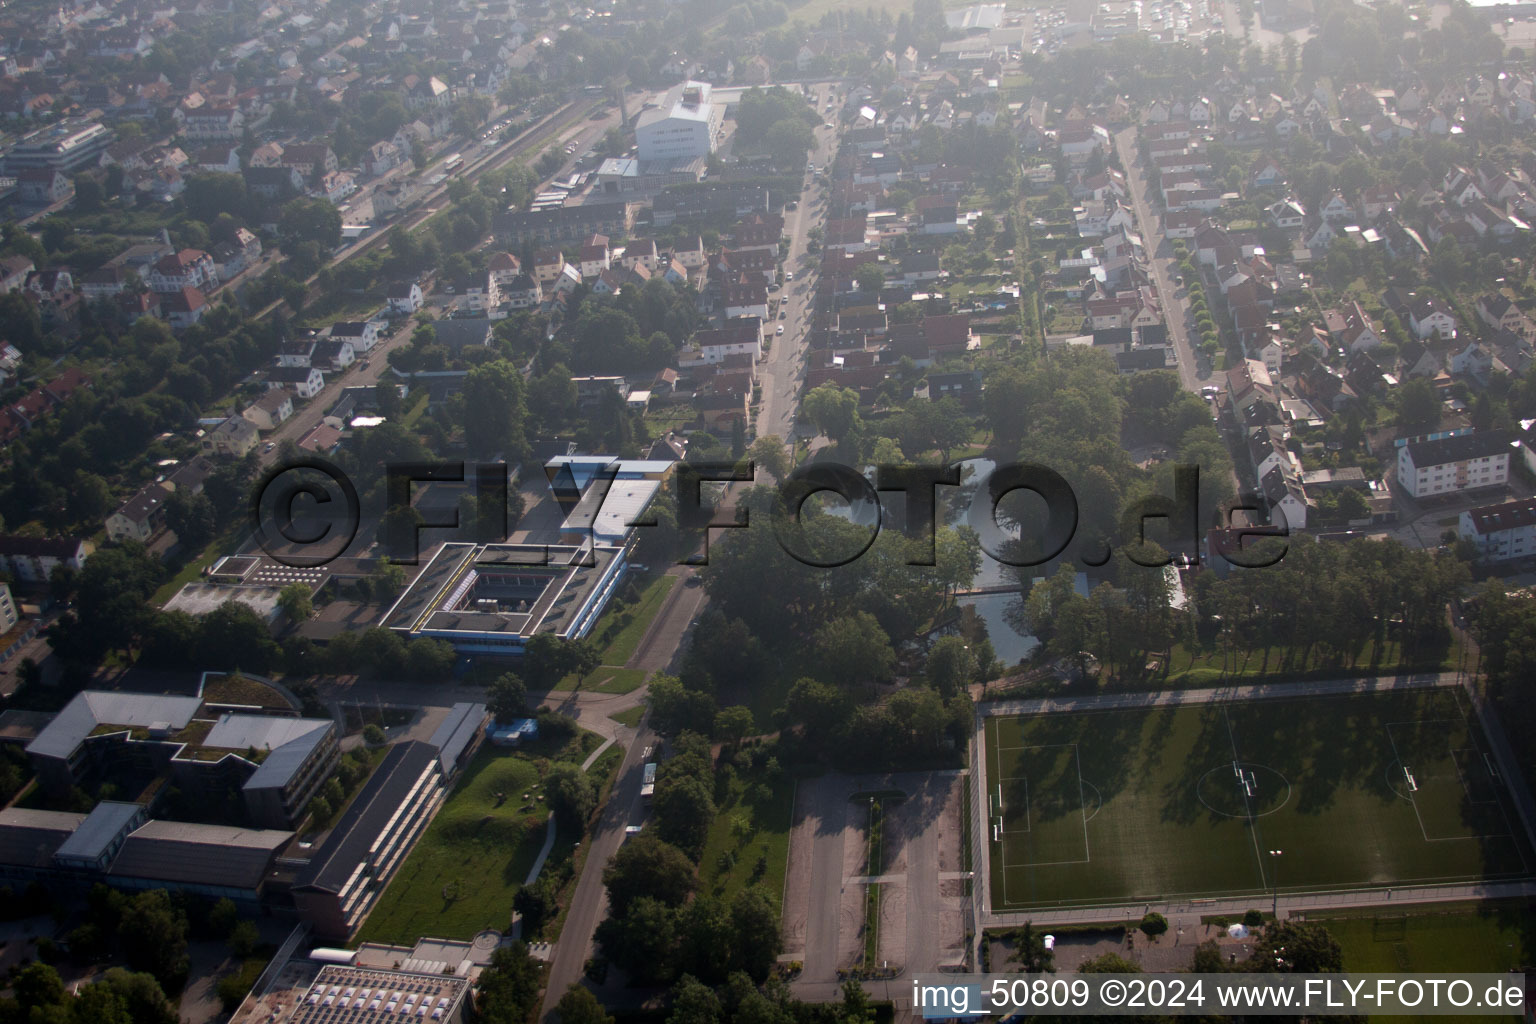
(658, 649)
(1161, 263)
(784, 366)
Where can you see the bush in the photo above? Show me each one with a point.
(373, 735)
(1254, 918)
(1154, 924)
(234, 987)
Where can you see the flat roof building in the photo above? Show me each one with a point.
(683, 125)
(277, 762)
(67, 146)
(349, 872)
(118, 844)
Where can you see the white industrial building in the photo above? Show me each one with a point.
(684, 125)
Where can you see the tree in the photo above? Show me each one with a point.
(950, 666)
(153, 933)
(1029, 951)
(694, 1002)
(243, 939)
(38, 985)
(1153, 924)
(1418, 406)
(675, 708)
(547, 658)
(296, 602)
(834, 410)
(732, 723)
(768, 452)
(646, 866)
(870, 278)
(374, 734)
(787, 143)
(507, 697)
(643, 941)
(821, 709)
(1301, 947)
(571, 795)
(495, 411)
(685, 809)
(223, 917)
(90, 498)
(1108, 963)
(536, 904)
(509, 986)
(191, 517)
(310, 220)
(854, 649)
(580, 1006)
(755, 941)
(208, 195)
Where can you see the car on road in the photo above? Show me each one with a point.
(783, 314)
(789, 275)
(632, 830)
(780, 330)
(829, 124)
(269, 446)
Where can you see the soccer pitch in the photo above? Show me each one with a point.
(1151, 804)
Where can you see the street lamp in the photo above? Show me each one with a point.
(1275, 859)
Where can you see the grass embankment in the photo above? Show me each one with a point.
(748, 842)
(618, 635)
(473, 857)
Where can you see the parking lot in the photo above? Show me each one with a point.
(923, 890)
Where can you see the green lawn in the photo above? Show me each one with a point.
(734, 860)
(470, 862)
(629, 716)
(1197, 667)
(221, 545)
(621, 633)
(618, 634)
(1494, 936)
(1374, 790)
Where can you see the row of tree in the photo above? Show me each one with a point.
(658, 926)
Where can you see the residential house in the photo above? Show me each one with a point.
(404, 297)
(270, 410)
(595, 256)
(1460, 462)
(1429, 317)
(547, 265)
(183, 308)
(235, 437)
(140, 517)
(306, 382)
(33, 559)
(362, 335)
(43, 186)
(333, 354)
(1503, 532)
(189, 268)
(1499, 312)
